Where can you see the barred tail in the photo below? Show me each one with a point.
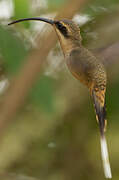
(99, 103)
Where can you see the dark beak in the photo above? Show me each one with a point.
(49, 21)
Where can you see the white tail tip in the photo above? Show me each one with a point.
(105, 158)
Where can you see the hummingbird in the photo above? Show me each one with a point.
(85, 67)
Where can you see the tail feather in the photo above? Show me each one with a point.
(105, 158)
(100, 109)
(99, 103)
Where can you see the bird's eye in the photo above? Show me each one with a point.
(62, 28)
(59, 25)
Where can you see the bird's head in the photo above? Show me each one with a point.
(68, 29)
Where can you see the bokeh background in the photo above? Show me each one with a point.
(48, 129)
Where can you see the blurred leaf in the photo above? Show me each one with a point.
(112, 100)
(43, 94)
(22, 10)
(100, 6)
(12, 50)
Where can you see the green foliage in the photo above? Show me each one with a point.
(12, 49)
(112, 100)
(97, 7)
(42, 94)
(22, 10)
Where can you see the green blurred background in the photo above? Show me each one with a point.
(55, 135)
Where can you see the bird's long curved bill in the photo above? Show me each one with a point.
(49, 21)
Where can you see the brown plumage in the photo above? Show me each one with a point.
(86, 68)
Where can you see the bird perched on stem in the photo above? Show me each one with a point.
(85, 67)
